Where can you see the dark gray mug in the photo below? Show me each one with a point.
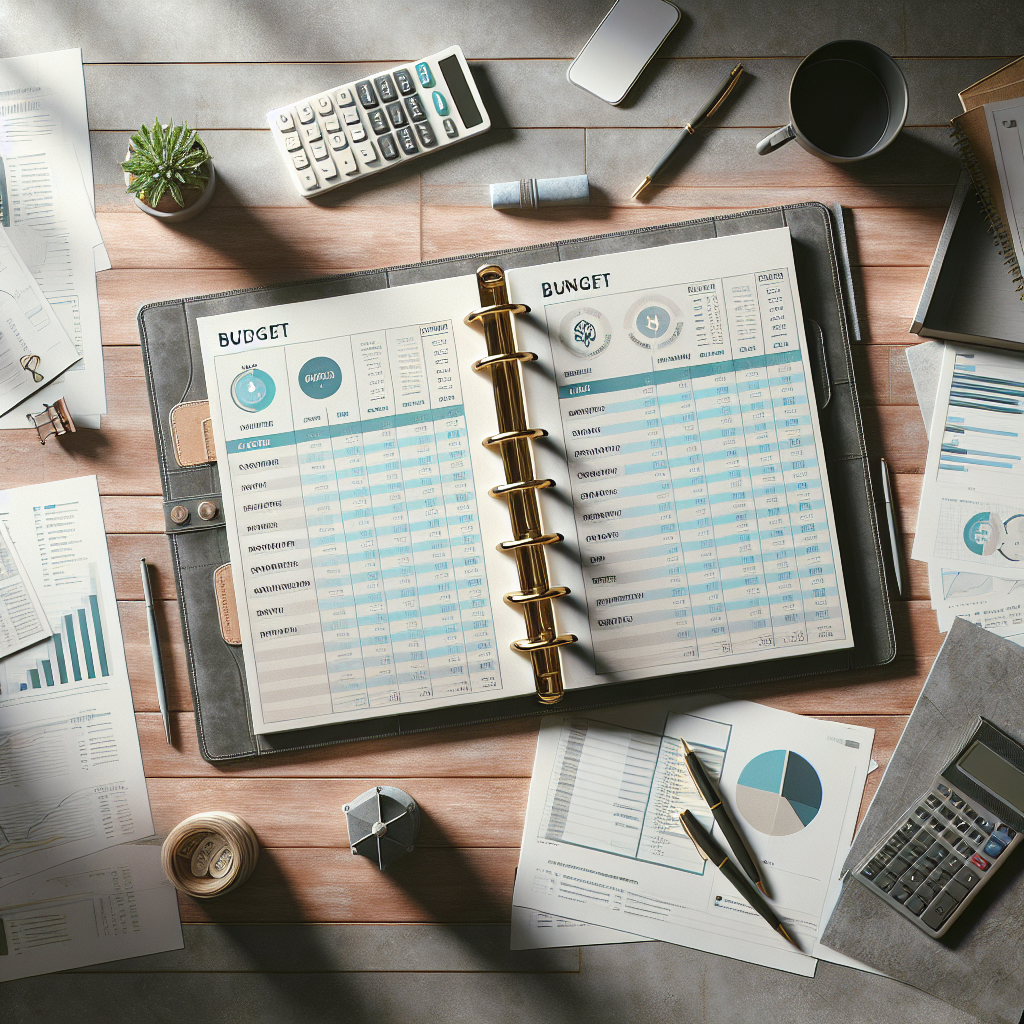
(847, 101)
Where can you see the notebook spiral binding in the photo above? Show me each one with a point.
(996, 227)
(513, 440)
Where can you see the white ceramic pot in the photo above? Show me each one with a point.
(186, 212)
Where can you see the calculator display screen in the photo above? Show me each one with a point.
(997, 775)
(452, 71)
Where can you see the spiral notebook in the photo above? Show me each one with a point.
(484, 491)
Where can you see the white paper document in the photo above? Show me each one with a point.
(603, 843)
(971, 516)
(22, 619)
(1006, 128)
(994, 603)
(532, 929)
(34, 347)
(107, 906)
(71, 775)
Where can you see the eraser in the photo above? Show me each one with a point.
(533, 192)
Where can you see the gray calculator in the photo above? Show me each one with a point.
(955, 838)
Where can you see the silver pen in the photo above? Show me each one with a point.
(891, 519)
(154, 644)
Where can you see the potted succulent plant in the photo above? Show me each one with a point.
(169, 171)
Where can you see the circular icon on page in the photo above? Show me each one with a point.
(320, 377)
(653, 322)
(253, 390)
(585, 332)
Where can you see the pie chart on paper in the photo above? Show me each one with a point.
(778, 793)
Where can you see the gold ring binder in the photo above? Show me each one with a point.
(513, 439)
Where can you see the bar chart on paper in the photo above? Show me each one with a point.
(982, 432)
(76, 652)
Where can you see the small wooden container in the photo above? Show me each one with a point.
(218, 843)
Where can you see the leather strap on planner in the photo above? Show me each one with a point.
(192, 434)
(227, 609)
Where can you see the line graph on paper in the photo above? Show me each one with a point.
(56, 748)
(44, 824)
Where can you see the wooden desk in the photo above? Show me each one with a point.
(222, 66)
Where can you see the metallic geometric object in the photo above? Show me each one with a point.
(383, 824)
(180, 514)
(207, 510)
(53, 421)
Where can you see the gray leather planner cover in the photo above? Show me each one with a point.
(978, 965)
(174, 370)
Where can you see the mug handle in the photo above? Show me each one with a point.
(777, 138)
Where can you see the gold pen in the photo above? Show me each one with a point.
(725, 87)
(710, 850)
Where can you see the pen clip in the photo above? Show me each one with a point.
(735, 76)
(686, 829)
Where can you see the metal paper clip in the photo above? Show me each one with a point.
(31, 365)
(53, 421)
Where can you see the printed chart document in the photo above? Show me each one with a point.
(971, 517)
(22, 619)
(34, 347)
(71, 776)
(603, 843)
(682, 439)
(989, 601)
(107, 906)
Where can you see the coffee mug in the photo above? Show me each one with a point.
(847, 101)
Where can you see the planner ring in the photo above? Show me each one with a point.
(513, 440)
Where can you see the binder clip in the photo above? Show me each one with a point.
(382, 824)
(53, 421)
(30, 364)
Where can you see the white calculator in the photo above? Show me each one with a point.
(350, 131)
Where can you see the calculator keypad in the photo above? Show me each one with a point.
(389, 118)
(933, 861)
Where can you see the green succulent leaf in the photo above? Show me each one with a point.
(163, 159)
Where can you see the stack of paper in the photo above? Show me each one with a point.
(72, 787)
(970, 525)
(605, 858)
(47, 214)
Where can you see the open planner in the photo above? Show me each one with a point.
(445, 498)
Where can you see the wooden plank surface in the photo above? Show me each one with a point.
(144, 60)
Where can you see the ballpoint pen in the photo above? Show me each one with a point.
(711, 851)
(725, 87)
(154, 644)
(722, 816)
(891, 520)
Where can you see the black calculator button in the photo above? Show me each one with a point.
(407, 142)
(961, 824)
(935, 916)
(915, 904)
(927, 892)
(915, 850)
(944, 790)
(899, 865)
(449, 128)
(947, 812)
(897, 842)
(378, 122)
(406, 86)
(908, 829)
(366, 95)
(427, 137)
(923, 813)
(985, 825)
(970, 813)
(954, 864)
(942, 878)
(976, 837)
(397, 114)
(938, 852)
(388, 148)
(915, 877)
(932, 800)
(901, 893)
(968, 876)
(956, 800)
(871, 869)
(886, 881)
(385, 88)
(415, 108)
(936, 824)
(965, 849)
(957, 891)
